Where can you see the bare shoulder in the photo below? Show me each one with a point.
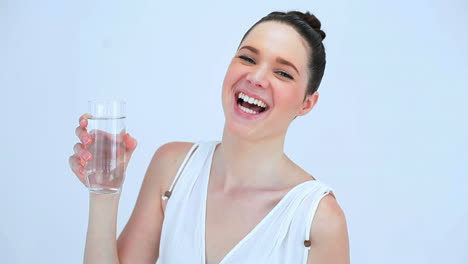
(329, 234)
(163, 166)
(166, 161)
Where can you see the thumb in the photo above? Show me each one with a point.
(130, 143)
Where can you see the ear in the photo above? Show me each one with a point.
(308, 103)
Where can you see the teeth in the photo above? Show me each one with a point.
(245, 109)
(251, 100)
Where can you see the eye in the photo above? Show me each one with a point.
(247, 59)
(285, 74)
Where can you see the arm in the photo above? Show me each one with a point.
(100, 239)
(101, 244)
(139, 240)
(329, 234)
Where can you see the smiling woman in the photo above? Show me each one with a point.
(240, 199)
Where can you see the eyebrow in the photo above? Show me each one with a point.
(278, 59)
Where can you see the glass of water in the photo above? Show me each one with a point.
(106, 169)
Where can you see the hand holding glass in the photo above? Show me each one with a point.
(105, 171)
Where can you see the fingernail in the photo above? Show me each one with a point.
(86, 156)
(85, 139)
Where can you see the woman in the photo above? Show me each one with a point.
(240, 200)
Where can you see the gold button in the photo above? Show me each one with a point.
(167, 194)
(307, 243)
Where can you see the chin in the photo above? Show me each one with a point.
(241, 130)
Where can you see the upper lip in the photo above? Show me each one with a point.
(253, 95)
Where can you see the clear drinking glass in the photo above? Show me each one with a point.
(106, 169)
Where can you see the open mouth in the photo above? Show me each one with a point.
(250, 105)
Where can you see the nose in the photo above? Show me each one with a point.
(258, 77)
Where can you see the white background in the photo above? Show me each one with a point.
(389, 132)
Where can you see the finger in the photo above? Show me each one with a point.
(83, 120)
(75, 165)
(77, 148)
(82, 153)
(80, 160)
(77, 169)
(83, 135)
(131, 145)
(130, 142)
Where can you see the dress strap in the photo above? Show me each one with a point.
(311, 214)
(168, 193)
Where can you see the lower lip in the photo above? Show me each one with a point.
(247, 115)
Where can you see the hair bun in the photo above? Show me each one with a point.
(310, 19)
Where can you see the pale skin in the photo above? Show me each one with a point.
(249, 166)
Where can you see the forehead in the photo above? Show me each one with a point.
(278, 39)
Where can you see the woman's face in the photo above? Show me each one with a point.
(271, 66)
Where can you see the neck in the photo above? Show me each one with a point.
(245, 163)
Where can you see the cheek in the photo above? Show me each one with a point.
(289, 99)
(232, 75)
(229, 80)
